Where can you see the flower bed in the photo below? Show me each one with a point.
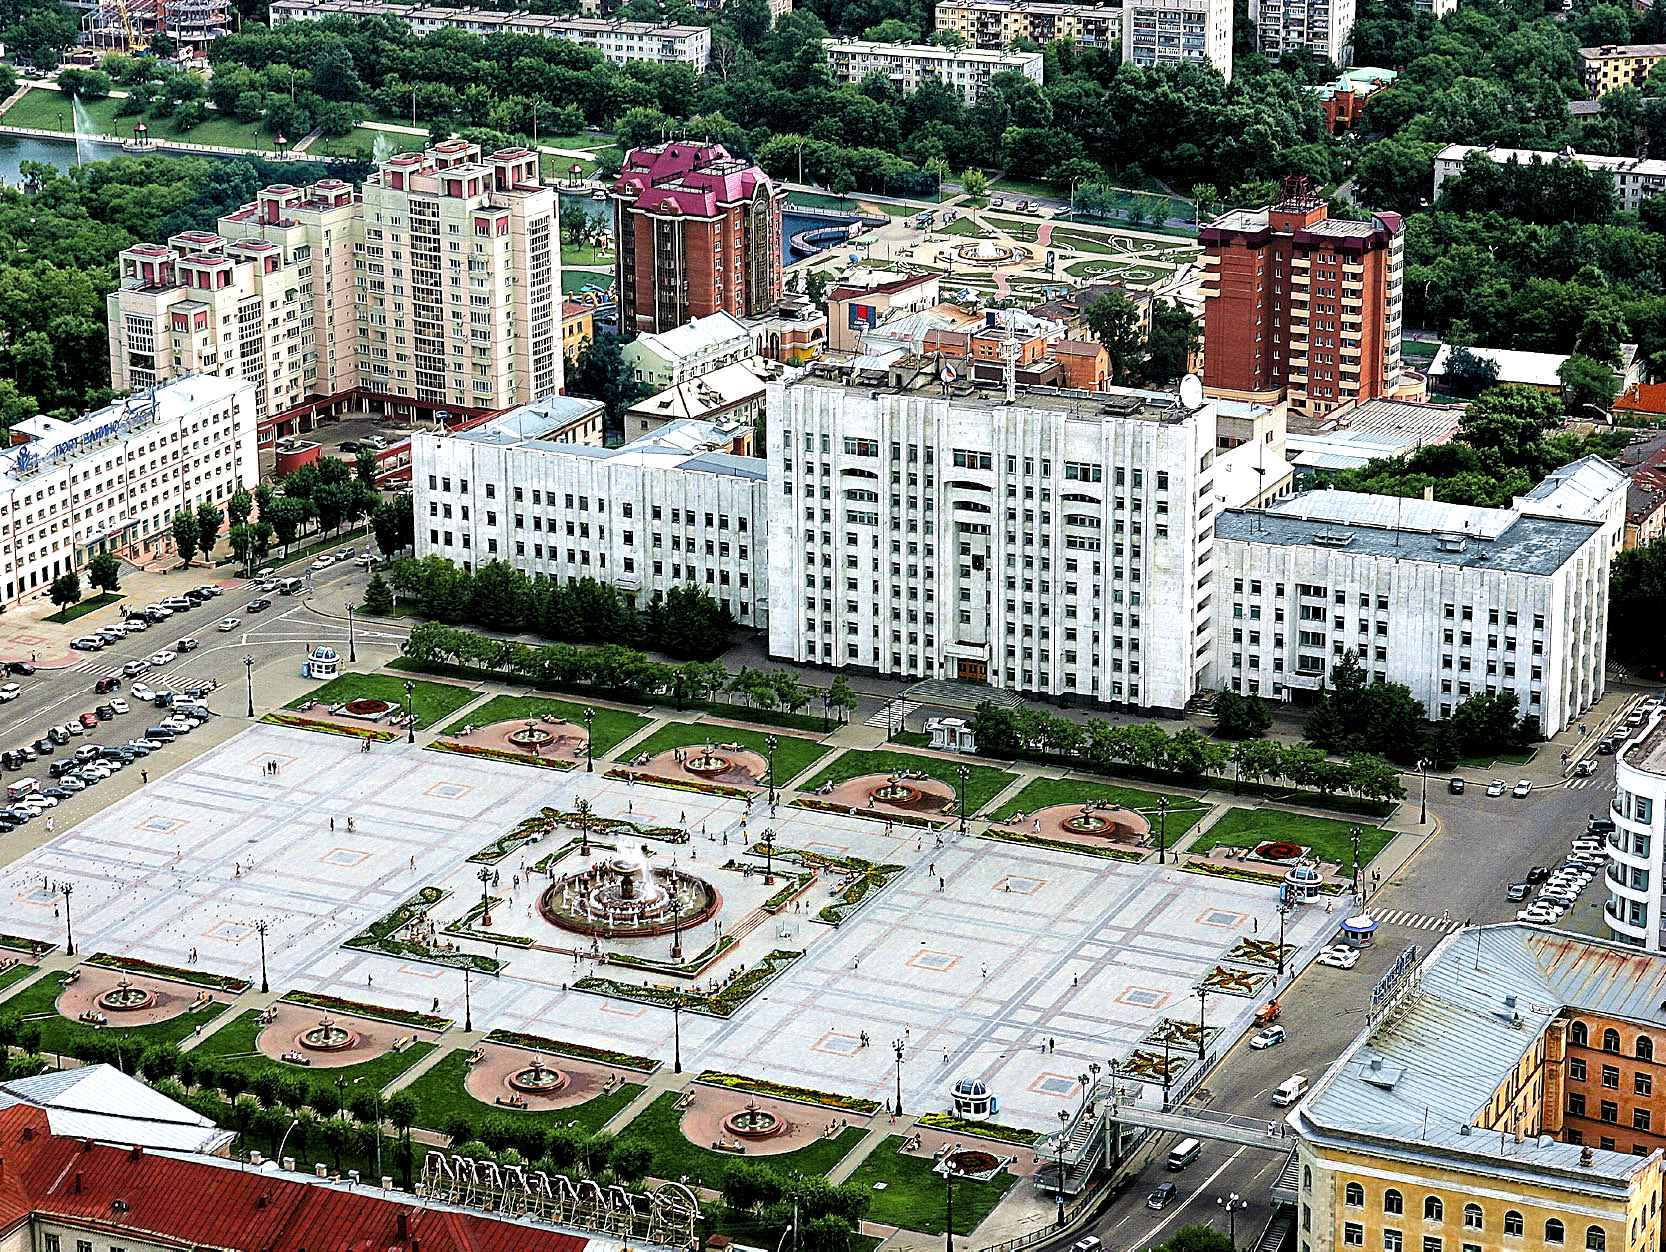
(872, 815)
(983, 1130)
(464, 926)
(375, 1012)
(578, 1051)
(685, 969)
(501, 847)
(297, 722)
(34, 947)
(870, 878)
(378, 937)
(1002, 834)
(195, 977)
(795, 883)
(652, 780)
(786, 1091)
(499, 754)
(720, 1003)
(1218, 869)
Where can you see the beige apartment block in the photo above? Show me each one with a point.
(1001, 23)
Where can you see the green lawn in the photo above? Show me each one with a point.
(585, 254)
(964, 226)
(815, 200)
(915, 1198)
(46, 109)
(1083, 241)
(983, 782)
(1018, 227)
(15, 975)
(59, 1034)
(593, 141)
(1041, 793)
(234, 1044)
(1244, 828)
(1023, 187)
(361, 143)
(612, 726)
(659, 1127)
(553, 165)
(574, 281)
(793, 755)
(434, 701)
(85, 607)
(440, 1097)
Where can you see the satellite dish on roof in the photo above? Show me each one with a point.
(1191, 391)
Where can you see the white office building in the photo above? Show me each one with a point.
(1449, 600)
(1322, 27)
(1058, 543)
(113, 479)
(1637, 846)
(678, 507)
(1635, 178)
(701, 346)
(1167, 32)
(909, 65)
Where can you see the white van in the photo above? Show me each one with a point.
(22, 787)
(1184, 1153)
(291, 586)
(1289, 1091)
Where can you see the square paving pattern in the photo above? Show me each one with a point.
(1016, 965)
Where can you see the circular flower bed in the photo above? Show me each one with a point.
(1279, 850)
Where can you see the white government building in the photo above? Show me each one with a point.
(112, 479)
(1637, 847)
(907, 66)
(674, 508)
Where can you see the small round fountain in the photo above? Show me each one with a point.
(328, 1036)
(531, 737)
(753, 1122)
(895, 791)
(707, 763)
(367, 707)
(537, 1079)
(985, 252)
(124, 997)
(622, 897)
(1087, 822)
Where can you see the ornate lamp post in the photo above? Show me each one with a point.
(677, 1031)
(249, 673)
(897, 1047)
(69, 935)
(1064, 1120)
(468, 1008)
(582, 808)
(1162, 830)
(485, 877)
(1167, 1077)
(769, 854)
(589, 742)
(770, 742)
(261, 927)
(960, 773)
(676, 917)
(1232, 1204)
(1353, 840)
(1202, 999)
(1423, 801)
(410, 711)
(352, 647)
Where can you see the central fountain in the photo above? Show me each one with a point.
(328, 1036)
(537, 1079)
(1087, 822)
(530, 736)
(895, 791)
(753, 1122)
(621, 896)
(124, 997)
(707, 762)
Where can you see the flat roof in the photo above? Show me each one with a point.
(1647, 752)
(1624, 50)
(929, 52)
(1413, 1083)
(1526, 156)
(1116, 402)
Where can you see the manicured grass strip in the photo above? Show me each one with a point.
(434, 701)
(372, 1012)
(793, 755)
(983, 1130)
(983, 782)
(578, 1051)
(575, 281)
(31, 947)
(58, 1034)
(1042, 793)
(1244, 828)
(610, 728)
(13, 976)
(84, 607)
(786, 1091)
(674, 1156)
(234, 1044)
(585, 254)
(196, 977)
(441, 1099)
(915, 1198)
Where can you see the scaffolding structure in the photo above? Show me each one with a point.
(130, 25)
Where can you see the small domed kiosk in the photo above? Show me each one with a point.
(323, 662)
(973, 1101)
(1303, 881)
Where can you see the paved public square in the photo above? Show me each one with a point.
(1013, 964)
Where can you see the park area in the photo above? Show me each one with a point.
(983, 782)
(47, 109)
(1329, 839)
(371, 699)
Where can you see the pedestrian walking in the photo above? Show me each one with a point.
(332, 825)
(144, 776)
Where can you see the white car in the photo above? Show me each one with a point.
(231, 623)
(118, 704)
(179, 725)
(69, 782)
(1540, 914)
(1522, 789)
(1583, 844)
(162, 657)
(1340, 957)
(39, 801)
(1495, 787)
(141, 692)
(134, 625)
(1271, 1037)
(323, 562)
(9, 692)
(346, 554)
(158, 610)
(134, 668)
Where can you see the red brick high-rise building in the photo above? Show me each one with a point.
(698, 232)
(1300, 302)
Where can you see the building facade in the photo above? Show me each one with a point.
(1635, 178)
(906, 66)
(436, 288)
(1450, 600)
(1300, 302)
(667, 43)
(1322, 27)
(1636, 908)
(999, 24)
(698, 232)
(113, 479)
(1057, 543)
(1167, 32)
(676, 508)
(1612, 66)
(701, 347)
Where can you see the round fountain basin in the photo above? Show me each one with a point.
(895, 793)
(530, 737)
(614, 898)
(327, 1037)
(537, 1079)
(125, 998)
(754, 1123)
(1086, 824)
(707, 764)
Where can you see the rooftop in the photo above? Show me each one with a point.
(687, 443)
(692, 338)
(458, 15)
(1624, 50)
(1532, 369)
(1579, 490)
(1404, 529)
(1648, 750)
(706, 393)
(1459, 152)
(1413, 1083)
(928, 52)
(537, 420)
(100, 1102)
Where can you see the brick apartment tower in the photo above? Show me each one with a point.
(1300, 302)
(699, 232)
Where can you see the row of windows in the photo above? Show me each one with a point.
(1474, 1218)
(1579, 1036)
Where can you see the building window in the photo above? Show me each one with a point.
(1431, 1243)
(1639, 1119)
(1393, 1201)
(1353, 1195)
(1577, 1035)
(1307, 1178)
(1576, 1069)
(1644, 1084)
(1513, 1224)
(1610, 1040)
(1611, 1077)
(1353, 1235)
(1553, 1231)
(1645, 1048)
(1472, 1217)
(1393, 1240)
(1433, 1210)
(1595, 1239)
(1610, 1111)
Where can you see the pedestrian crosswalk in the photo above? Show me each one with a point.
(1580, 784)
(893, 714)
(1416, 921)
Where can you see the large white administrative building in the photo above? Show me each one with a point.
(1058, 543)
(112, 479)
(1448, 599)
(673, 508)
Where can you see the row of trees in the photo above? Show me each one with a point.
(1184, 754)
(686, 623)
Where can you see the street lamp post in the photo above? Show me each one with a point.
(589, 742)
(261, 928)
(897, 1047)
(1202, 999)
(352, 645)
(769, 854)
(1064, 1120)
(1231, 1204)
(1423, 803)
(1162, 830)
(1281, 909)
(1353, 839)
(582, 808)
(468, 1008)
(249, 673)
(677, 1032)
(676, 918)
(69, 935)
(960, 775)
(770, 742)
(485, 877)
(410, 711)
(1166, 1037)
(948, 1184)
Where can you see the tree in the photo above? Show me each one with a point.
(688, 624)
(1198, 1237)
(601, 373)
(1487, 723)
(66, 589)
(378, 599)
(1468, 374)
(1174, 339)
(365, 466)
(1115, 322)
(240, 506)
(1637, 606)
(840, 696)
(104, 572)
(1241, 717)
(976, 185)
(185, 536)
(1587, 384)
(995, 730)
(393, 522)
(208, 526)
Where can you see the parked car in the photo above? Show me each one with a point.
(1271, 1037)
(1517, 892)
(142, 693)
(1537, 873)
(344, 554)
(21, 667)
(1339, 956)
(349, 445)
(186, 645)
(1585, 768)
(118, 704)
(1522, 789)
(44, 746)
(106, 684)
(322, 562)
(69, 782)
(178, 604)
(1599, 826)
(136, 625)
(9, 692)
(1608, 746)
(1455, 786)
(87, 643)
(1495, 787)
(104, 712)
(89, 721)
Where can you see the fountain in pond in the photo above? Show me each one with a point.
(328, 1036)
(622, 897)
(381, 148)
(84, 128)
(537, 1078)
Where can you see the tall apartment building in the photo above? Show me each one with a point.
(1322, 27)
(674, 508)
(906, 66)
(698, 232)
(1635, 178)
(1509, 1091)
(1054, 542)
(1612, 66)
(113, 479)
(1300, 302)
(1635, 912)
(1001, 23)
(1168, 32)
(436, 288)
(1450, 600)
(668, 43)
